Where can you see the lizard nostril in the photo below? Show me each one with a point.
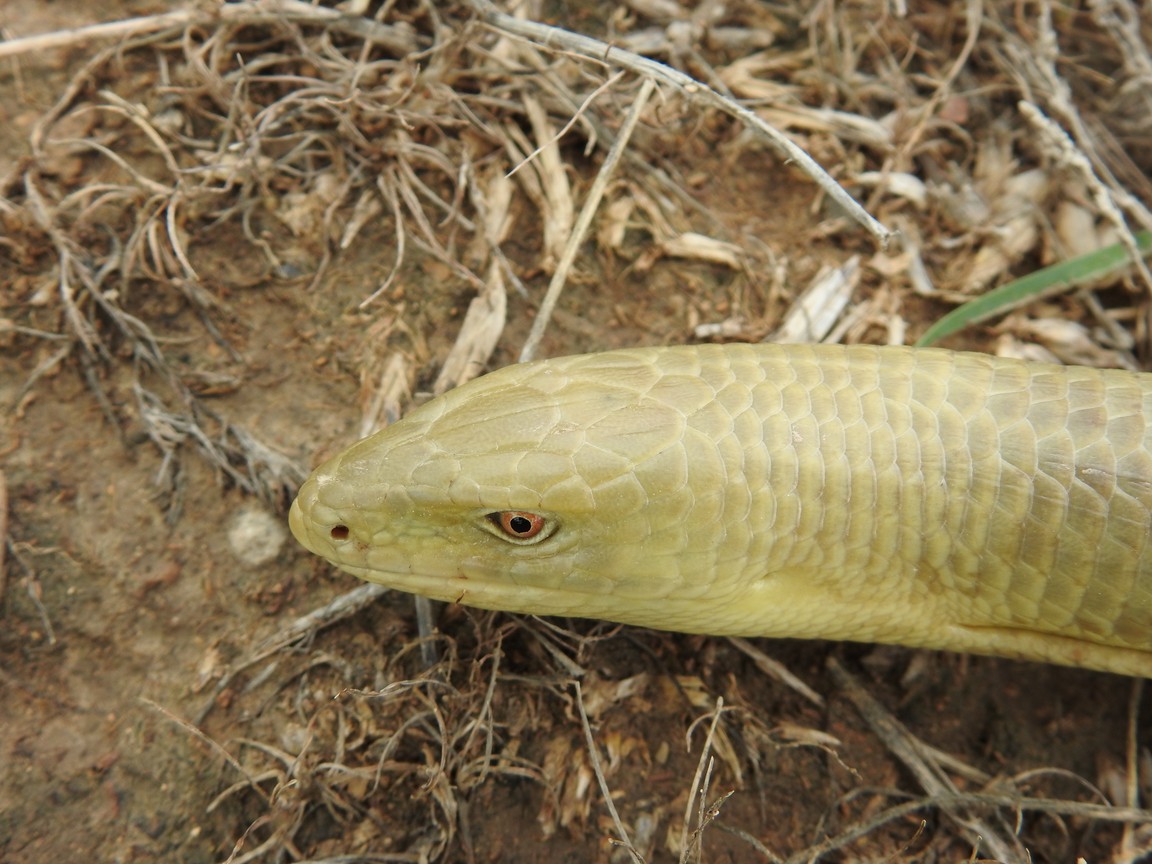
(339, 532)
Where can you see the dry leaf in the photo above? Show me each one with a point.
(701, 248)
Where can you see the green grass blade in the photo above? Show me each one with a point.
(1043, 283)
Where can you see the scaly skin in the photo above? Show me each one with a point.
(919, 497)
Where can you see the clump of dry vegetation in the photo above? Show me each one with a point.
(405, 179)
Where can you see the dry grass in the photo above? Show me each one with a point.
(994, 137)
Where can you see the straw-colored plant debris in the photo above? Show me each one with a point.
(237, 236)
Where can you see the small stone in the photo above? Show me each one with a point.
(256, 536)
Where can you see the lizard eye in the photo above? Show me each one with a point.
(518, 524)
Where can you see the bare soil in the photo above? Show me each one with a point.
(183, 336)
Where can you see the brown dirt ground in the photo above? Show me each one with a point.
(129, 730)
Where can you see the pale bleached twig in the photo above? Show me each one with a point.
(776, 670)
(3, 532)
(393, 38)
(571, 122)
(905, 747)
(194, 730)
(1020, 804)
(41, 42)
(344, 606)
(700, 783)
(583, 222)
(598, 770)
(1067, 150)
(1128, 842)
(348, 603)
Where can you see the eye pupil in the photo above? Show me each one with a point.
(520, 524)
